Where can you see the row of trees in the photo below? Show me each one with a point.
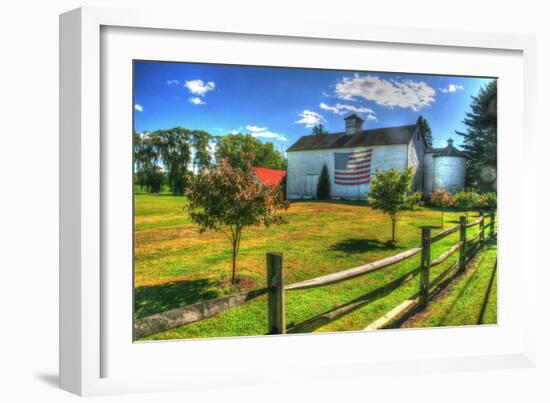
(165, 157)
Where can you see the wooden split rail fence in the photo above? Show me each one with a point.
(276, 289)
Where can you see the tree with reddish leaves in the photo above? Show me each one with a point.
(442, 199)
(229, 199)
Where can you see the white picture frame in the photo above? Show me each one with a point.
(83, 296)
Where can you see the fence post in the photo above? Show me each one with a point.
(425, 267)
(462, 258)
(492, 226)
(276, 294)
(482, 228)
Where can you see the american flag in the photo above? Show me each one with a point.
(351, 169)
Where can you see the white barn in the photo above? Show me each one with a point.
(353, 156)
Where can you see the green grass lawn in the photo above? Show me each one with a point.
(469, 300)
(176, 266)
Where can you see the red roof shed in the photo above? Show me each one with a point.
(268, 176)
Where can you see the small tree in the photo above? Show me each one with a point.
(229, 200)
(467, 201)
(323, 185)
(442, 199)
(388, 192)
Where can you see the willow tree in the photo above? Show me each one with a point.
(146, 163)
(229, 199)
(175, 150)
(201, 144)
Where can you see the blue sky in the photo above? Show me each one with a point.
(281, 104)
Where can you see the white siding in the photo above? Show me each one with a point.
(302, 163)
(428, 174)
(449, 173)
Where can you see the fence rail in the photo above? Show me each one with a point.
(191, 313)
(276, 289)
(444, 234)
(445, 255)
(354, 272)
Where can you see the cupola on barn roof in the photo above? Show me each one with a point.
(354, 116)
(449, 151)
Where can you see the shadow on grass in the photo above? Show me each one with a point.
(355, 245)
(362, 203)
(487, 295)
(158, 298)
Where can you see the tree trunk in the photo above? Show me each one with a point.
(234, 263)
(393, 222)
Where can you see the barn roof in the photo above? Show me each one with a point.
(374, 137)
(268, 176)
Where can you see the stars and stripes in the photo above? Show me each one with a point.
(352, 168)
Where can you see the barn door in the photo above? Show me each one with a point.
(311, 185)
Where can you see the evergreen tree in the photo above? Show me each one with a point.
(318, 129)
(425, 129)
(480, 139)
(323, 185)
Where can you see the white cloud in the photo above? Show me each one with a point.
(197, 101)
(310, 118)
(270, 135)
(372, 117)
(264, 132)
(138, 107)
(395, 92)
(253, 128)
(452, 88)
(342, 109)
(172, 82)
(198, 87)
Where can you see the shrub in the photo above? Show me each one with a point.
(323, 185)
(282, 187)
(414, 200)
(467, 201)
(488, 201)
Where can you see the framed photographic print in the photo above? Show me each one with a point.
(255, 195)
